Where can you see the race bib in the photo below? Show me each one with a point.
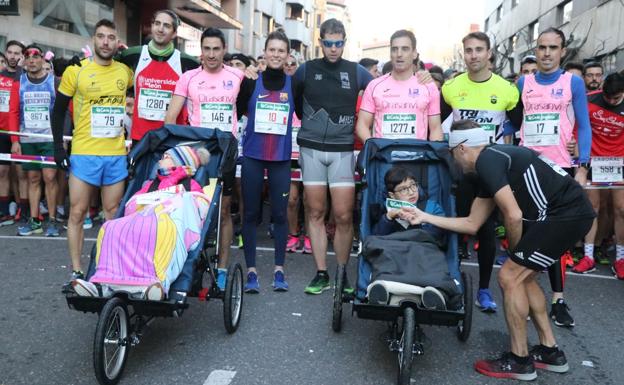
(217, 115)
(541, 130)
(554, 166)
(37, 117)
(295, 146)
(271, 118)
(153, 104)
(397, 126)
(106, 122)
(5, 98)
(395, 204)
(607, 169)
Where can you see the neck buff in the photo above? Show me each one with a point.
(160, 52)
(472, 137)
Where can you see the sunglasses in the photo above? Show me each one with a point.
(290, 64)
(333, 43)
(33, 53)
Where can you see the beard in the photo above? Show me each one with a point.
(593, 86)
(104, 55)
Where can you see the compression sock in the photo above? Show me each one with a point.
(589, 250)
(4, 205)
(619, 252)
(24, 207)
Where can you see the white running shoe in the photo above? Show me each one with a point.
(84, 288)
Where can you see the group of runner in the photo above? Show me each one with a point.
(279, 111)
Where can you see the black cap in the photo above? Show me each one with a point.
(241, 57)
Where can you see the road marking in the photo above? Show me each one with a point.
(471, 264)
(220, 377)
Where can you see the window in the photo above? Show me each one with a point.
(317, 52)
(534, 30)
(307, 19)
(564, 12)
(78, 17)
(294, 11)
(266, 25)
(486, 25)
(514, 3)
(318, 20)
(499, 13)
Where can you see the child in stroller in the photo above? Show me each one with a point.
(143, 252)
(401, 185)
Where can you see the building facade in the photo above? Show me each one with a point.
(593, 28)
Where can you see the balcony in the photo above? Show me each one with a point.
(296, 30)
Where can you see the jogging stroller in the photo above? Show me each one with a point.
(431, 164)
(122, 315)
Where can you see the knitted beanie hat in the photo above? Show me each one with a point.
(184, 156)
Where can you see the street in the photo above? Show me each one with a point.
(283, 338)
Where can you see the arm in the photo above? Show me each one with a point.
(58, 119)
(479, 212)
(434, 121)
(512, 215)
(14, 117)
(177, 102)
(364, 124)
(435, 128)
(383, 226)
(581, 113)
(298, 88)
(515, 114)
(242, 100)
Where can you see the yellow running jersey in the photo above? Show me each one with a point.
(483, 102)
(99, 102)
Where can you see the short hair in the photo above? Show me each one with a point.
(174, 16)
(14, 42)
(437, 77)
(556, 31)
(3, 56)
(278, 35)
(395, 176)
(387, 68)
(464, 124)
(212, 32)
(404, 33)
(479, 36)
(613, 84)
(530, 59)
(368, 62)
(33, 46)
(104, 23)
(333, 26)
(592, 64)
(572, 65)
(436, 69)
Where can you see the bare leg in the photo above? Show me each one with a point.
(315, 199)
(227, 232)
(34, 191)
(539, 314)
(51, 189)
(79, 198)
(111, 196)
(343, 199)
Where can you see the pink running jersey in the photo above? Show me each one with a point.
(401, 108)
(548, 120)
(211, 98)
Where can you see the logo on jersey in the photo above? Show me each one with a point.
(318, 76)
(283, 96)
(493, 99)
(228, 84)
(556, 93)
(263, 96)
(121, 85)
(344, 119)
(344, 79)
(413, 92)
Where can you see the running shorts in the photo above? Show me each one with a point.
(39, 149)
(99, 170)
(322, 168)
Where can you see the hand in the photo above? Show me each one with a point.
(16, 148)
(392, 214)
(61, 158)
(581, 176)
(571, 146)
(424, 77)
(251, 72)
(412, 214)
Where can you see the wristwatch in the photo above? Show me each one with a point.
(585, 165)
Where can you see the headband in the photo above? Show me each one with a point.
(472, 137)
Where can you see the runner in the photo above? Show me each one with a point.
(9, 119)
(528, 65)
(400, 105)
(37, 95)
(14, 54)
(157, 67)
(240, 61)
(509, 178)
(551, 102)
(269, 105)
(592, 75)
(371, 66)
(606, 115)
(209, 93)
(326, 145)
(486, 98)
(98, 156)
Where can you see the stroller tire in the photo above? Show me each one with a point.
(338, 288)
(233, 298)
(112, 342)
(406, 352)
(465, 325)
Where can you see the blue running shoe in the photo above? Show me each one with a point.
(485, 302)
(252, 286)
(500, 260)
(279, 281)
(221, 278)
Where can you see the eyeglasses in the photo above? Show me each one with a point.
(34, 53)
(410, 188)
(333, 43)
(458, 144)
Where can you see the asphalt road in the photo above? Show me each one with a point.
(284, 338)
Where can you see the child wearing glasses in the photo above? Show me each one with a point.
(402, 185)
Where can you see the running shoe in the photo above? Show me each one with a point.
(52, 229)
(88, 223)
(585, 265)
(561, 315)
(155, 292)
(347, 288)
(32, 227)
(221, 278)
(239, 241)
(567, 258)
(307, 245)
(601, 258)
(252, 286)
(500, 260)
(551, 359)
(499, 231)
(6, 220)
(84, 288)
(463, 251)
(577, 254)
(507, 367)
(292, 244)
(319, 284)
(279, 281)
(12, 209)
(76, 274)
(485, 301)
(618, 268)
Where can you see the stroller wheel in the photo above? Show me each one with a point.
(406, 346)
(233, 298)
(338, 288)
(112, 342)
(464, 325)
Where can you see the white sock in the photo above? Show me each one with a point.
(619, 252)
(589, 250)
